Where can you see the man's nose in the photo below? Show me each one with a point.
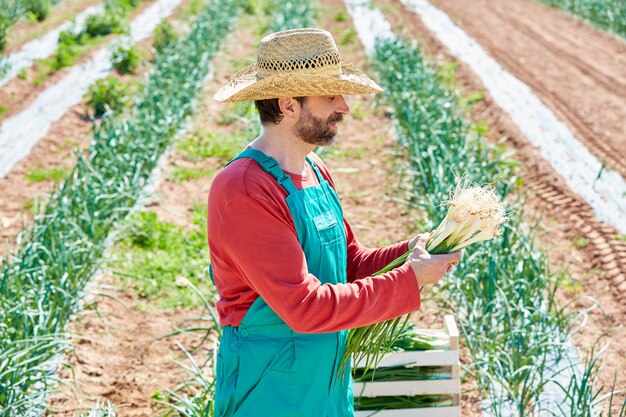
(342, 106)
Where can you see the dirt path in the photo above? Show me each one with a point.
(578, 71)
(126, 365)
(56, 151)
(20, 92)
(25, 31)
(122, 364)
(569, 234)
(117, 354)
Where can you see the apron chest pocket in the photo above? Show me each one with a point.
(328, 227)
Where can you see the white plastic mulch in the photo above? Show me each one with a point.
(44, 46)
(604, 190)
(20, 133)
(370, 24)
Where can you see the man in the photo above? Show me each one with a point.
(291, 275)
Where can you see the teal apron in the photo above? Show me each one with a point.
(265, 369)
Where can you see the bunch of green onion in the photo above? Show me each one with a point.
(475, 214)
(400, 402)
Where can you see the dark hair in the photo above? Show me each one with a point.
(270, 112)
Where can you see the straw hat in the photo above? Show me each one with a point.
(296, 63)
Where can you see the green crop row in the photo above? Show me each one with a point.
(606, 14)
(41, 284)
(11, 11)
(179, 403)
(73, 44)
(502, 291)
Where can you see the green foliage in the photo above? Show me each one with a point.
(67, 48)
(195, 397)
(182, 174)
(341, 16)
(164, 36)
(108, 94)
(105, 23)
(293, 14)
(39, 174)
(201, 145)
(605, 14)
(159, 259)
(42, 283)
(348, 36)
(472, 98)
(126, 59)
(10, 12)
(38, 9)
(581, 242)
(358, 111)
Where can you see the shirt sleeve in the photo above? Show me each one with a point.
(363, 261)
(261, 246)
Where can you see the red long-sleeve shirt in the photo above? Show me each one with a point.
(255, 251)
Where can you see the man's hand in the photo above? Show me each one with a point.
(429, 269)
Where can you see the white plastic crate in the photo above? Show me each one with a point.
(451, 387)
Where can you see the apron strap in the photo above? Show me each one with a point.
(318, 174)
(269, 165)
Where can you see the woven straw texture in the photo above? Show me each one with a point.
(297, 63)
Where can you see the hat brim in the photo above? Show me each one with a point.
(244, 86)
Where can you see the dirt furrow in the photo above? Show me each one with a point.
(574, 240)
(20, 92)
(56, 151)
(549, 188)
(132, 365)
(573, 68)
(25, 31)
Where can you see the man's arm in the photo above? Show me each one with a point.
(255, 243)
(363, 261)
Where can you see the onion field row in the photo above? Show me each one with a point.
(11, 11)
(41, 284)
(194, 398)
(503, 293)
(605, 14)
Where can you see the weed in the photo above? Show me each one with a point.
(158, 259)
(108, 94)
(126, 59)
(182, 174)
(164, 36)
(358, 111)
(23, 74)
(341, 16)
(98, 25)
(40, 174)
(580, 242)
(201, 145)
(348, 36)
(472, 98)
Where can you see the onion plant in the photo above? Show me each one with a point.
(475, 214)
(194, 398)
(605, 14)
(399, 402)
(41, 284)
(503, 293)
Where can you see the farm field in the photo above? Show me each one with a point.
(121, 331)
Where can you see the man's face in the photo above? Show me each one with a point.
(318, 119)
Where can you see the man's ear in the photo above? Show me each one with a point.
(289, 107)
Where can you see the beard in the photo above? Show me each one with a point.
(314, 130)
